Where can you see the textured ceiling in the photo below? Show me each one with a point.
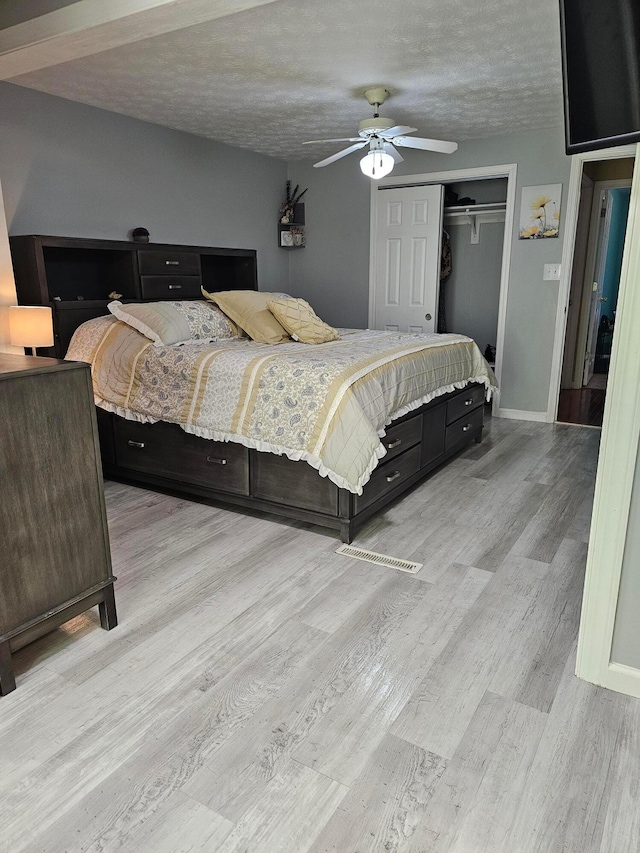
(271, 77)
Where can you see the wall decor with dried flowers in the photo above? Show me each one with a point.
(540, 211)
(293, 198)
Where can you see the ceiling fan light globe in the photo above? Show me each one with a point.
(376, 164)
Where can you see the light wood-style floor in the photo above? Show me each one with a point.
(264, 694)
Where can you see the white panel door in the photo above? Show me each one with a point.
(407, 258)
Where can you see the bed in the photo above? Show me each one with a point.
(397, 425)
(332, 431)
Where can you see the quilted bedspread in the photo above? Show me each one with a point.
(326, 404)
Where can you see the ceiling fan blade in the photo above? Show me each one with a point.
(397, 156)
(426, 144)
(340, 154)
(345, 139)
(398, 130)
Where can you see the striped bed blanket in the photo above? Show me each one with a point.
(326, 404)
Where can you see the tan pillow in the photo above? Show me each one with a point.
(301, 321)
(248, 308)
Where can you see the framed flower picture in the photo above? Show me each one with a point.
(540, 211)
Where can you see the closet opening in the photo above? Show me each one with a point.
(473, 238)
(603, 208)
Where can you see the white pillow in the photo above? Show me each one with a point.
(171, 323)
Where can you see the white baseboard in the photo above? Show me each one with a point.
(623, 679)
(521, 415)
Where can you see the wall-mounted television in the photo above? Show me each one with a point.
(601, 72)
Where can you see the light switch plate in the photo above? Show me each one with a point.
(551, 272)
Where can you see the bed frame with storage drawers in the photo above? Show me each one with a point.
(75, 277)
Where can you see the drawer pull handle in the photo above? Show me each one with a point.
(466, 427)
(172, 263)
(393, 476)
(395, 443)
(469, 402)
(175, 287)
(138, 444)
(216, 461)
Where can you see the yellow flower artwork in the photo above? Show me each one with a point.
(540, 202)
(540, 212)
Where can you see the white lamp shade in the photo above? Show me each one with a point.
(376, 164)
(30, 326)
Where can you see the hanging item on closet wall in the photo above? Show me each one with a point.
(445, 272)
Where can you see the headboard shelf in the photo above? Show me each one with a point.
(89, 273)
(76, 276)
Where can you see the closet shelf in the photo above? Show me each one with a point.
(475, 215)
(487, 207)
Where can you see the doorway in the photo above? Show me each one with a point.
(603, 209)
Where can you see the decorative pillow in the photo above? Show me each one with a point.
(248, 308)
(168, 323)
(301, 321)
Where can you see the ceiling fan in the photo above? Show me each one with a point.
(383, 138)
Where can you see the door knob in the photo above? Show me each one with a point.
(427, 316)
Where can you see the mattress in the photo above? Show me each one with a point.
(326, 404)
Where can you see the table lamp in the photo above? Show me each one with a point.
(30, 326)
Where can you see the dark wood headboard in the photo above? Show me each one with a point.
(77, 277)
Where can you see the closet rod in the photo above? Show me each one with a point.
(465, 210)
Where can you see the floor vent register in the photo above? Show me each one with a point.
(379, 559)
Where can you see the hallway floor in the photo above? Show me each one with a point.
(584, 405)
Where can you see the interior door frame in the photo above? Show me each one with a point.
(574, 305)
(596, 251)
(586, 288)
(479, 173)
(615, 478)
(564, 290)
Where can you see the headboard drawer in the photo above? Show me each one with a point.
(168, 263)
(170, 286)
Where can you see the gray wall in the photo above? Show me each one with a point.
(73, 170)
(333, 270)
(626, 634)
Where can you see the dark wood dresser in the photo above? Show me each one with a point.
(54, 545)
